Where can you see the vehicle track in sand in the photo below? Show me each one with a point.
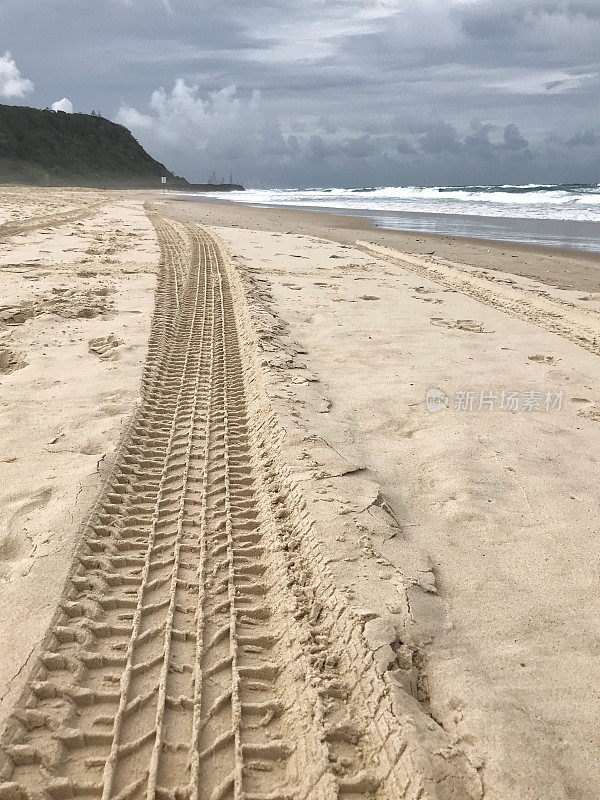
(8, 229)
(554, 314)
(200, 651)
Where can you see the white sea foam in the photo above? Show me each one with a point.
(574, 202)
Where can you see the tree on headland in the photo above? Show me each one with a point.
(52, 147)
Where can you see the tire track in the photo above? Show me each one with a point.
(572, 322)
(8, 229)
(121, 709)
(200, 651)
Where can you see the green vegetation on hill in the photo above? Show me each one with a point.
(52, 148)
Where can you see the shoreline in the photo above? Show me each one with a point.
(446, 534)
(419, 222)
(452, 528)
(564, 269)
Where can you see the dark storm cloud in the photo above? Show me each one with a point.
(404, 146)
(584, 139)
(513, 141)
(306, 92)
(359, 147)
(441, 138)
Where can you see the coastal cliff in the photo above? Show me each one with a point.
(53, 148)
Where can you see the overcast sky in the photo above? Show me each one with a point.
(325, 92)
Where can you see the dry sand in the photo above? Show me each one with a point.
(76, 306)
(563, 268)
(488, 554)
(465, 542)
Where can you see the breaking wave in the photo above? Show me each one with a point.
(577, 202)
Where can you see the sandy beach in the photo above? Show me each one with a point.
(439, 557)
(78, 272)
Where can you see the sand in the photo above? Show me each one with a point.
(490, 556)
(562, 268)
(74, 322)
(461, 544)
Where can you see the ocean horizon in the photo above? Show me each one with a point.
(552, 215)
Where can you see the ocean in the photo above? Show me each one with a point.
(555, 215)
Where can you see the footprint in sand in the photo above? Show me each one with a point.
(440, 322)
(331, 286)
(113, 403)
(114, 409)
(105, 346)
(423, 290)
(15, 543)
(590, 413)
(470, 325)
(10, 361)
(16, 315)
(93, 446)
(426, 299)
(542, 359)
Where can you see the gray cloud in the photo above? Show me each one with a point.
(302, 92)
(513, 142)
(584, 139)
(359, 147)
(441, 138)
(404, 146)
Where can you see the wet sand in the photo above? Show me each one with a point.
(565, 269)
